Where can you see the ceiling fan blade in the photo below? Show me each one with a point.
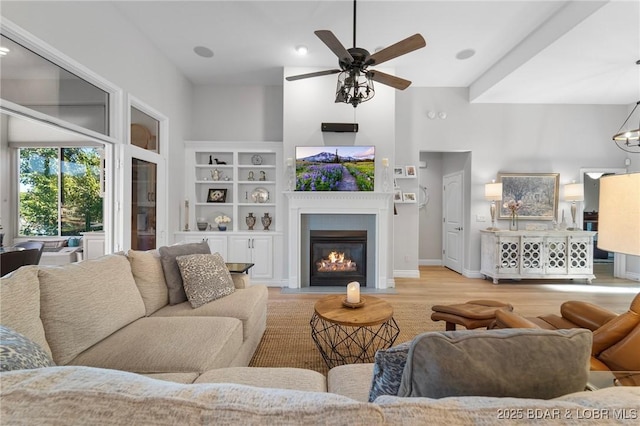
(389, 80)
(402, 47)
(334, 44)
(312, 74)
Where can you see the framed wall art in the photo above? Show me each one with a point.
(410, 171)
(537, 191)
(397, 195)
(217, 195)
(409, 197)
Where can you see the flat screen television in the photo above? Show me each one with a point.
(335, 168)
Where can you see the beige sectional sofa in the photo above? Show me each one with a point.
(103, 321)
(112, 312)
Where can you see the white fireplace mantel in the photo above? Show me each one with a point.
(378, 204)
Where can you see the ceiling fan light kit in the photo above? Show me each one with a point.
(355, 79)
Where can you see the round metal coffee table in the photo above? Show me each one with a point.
(347, 335)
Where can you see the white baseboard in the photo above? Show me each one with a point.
(406, 273)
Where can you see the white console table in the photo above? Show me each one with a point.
(537, 254)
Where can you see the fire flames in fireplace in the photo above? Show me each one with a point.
(335, 262)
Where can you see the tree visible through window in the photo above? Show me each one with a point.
(60, 191)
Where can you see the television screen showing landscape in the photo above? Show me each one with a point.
(335, 168)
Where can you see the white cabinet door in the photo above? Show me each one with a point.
(216, 243)
(257, 250)
(580, 255)
(262, 251)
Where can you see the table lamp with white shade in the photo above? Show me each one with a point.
(493, 193)
(573, 192)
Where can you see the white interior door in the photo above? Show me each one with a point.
(452, 206)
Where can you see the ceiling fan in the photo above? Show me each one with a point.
(355, 82)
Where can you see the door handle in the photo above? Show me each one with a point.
(458, 228)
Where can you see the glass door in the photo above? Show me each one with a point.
(144, 179)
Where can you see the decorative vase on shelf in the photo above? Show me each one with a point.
(222, 227)
(266, 221)
(513, 222)
(251, 221)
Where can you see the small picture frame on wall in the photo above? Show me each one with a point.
(409, 197)
(410, 171)
(217, 195)
(397, 195)
(398, 171)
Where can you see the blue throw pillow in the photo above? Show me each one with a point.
(387, 370)
(17, 352)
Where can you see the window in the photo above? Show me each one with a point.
(144, 130)
(60, 190)
(32, 81)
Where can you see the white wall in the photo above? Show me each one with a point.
(504, 138)
(236, 113)
(96, 36)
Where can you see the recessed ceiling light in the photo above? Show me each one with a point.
(302, 50)
(465, 54)
(205, 52)
(3, 50)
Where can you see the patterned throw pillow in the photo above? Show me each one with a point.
(17, 352)
(205, 278)
(387, 370)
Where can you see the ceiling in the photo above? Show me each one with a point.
(580, 52)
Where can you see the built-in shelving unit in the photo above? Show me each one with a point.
(235, 179)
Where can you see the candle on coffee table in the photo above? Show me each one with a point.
(353, 292)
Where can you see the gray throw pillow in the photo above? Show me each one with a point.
(171, 270)
(18, 352)
(205, 278)
(518, 363)
(387, 370)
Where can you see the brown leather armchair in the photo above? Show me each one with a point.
(616, 338)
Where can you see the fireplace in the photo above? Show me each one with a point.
(337, 257)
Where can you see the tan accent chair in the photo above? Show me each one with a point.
(616, 338)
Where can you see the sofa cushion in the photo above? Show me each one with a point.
(82, 303)
(248, 305)
(18, 352)
(167, 345)
(94, 396)
(171, 269)
(594, 408)
(387, 370)
(263, 377)
(205, 278)
(351, 380)
(149, 276)
(520, 363)
(20, 304)
(174, 377)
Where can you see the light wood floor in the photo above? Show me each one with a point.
(438, 285)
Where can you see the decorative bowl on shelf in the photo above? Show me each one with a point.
(202, 226)
(260, 195)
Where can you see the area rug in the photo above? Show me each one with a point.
(287, 340)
